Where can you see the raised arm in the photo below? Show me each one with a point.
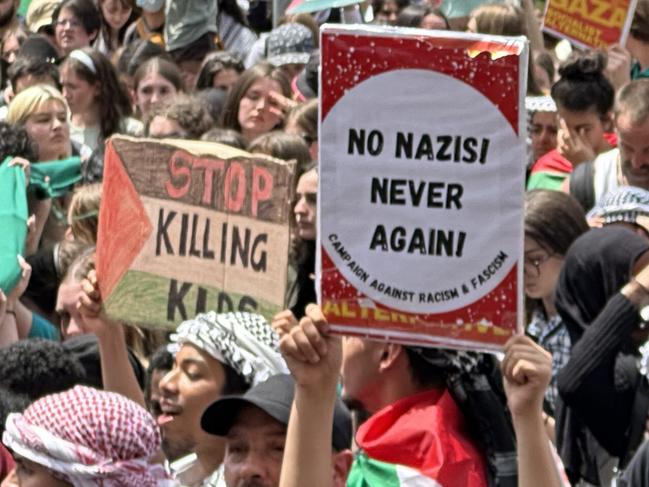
(527, 369)
(116, 371)
(313, 357)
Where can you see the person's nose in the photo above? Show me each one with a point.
(639, 161)
(155, 97)
(74, 328)
(300, 207)
(251, 468)
(169, 383)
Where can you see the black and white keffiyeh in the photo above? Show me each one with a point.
(475, 382)
(244, 341)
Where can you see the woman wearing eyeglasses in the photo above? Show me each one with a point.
(553, 220)
(76, 24)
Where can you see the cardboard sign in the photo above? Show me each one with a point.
(589, 23)
(187, 226)
(421, 185)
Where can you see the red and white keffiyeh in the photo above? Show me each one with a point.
(89, 438)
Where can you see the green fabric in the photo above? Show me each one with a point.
(13, 222)
(309, 6)
(24, 5)
(546, 180)
(55, 178)
(366, 472)
(638, 73)
(41, 328)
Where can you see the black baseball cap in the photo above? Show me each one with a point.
(274, 397)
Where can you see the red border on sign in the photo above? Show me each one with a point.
(490, 67)
(466, 60)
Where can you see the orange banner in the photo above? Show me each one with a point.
(589, 23)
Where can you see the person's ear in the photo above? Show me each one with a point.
(607, 122)
(93, 35)
(391, 353)
(342, 464)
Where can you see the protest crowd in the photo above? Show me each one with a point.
(228, 397)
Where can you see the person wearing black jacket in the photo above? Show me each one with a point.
(603, 398)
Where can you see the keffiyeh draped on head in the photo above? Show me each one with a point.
(475, 383)
(89, 438)
(244, 341)
(597, 265)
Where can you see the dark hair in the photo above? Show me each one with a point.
(15, 142)
(161, 66)
(259, 71)
(187, 111)
(137, 53)
(163, 360)
(234, 382)
(114, 102)
(11, 402)
(85, 348)
(640, 23)
(553, 219)
(214, 100)
(26, 66)
(225, 136)
(413, 15)
(305, 116)
(582, 85)
(231, 8)
(84, 10)
(49, 267)
(424, 374)
(38, 367)
(377, 5)
(213, 64)
(105, 28)
(282, 146)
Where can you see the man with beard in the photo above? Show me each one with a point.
(219, 354)
(255, 427)
(437, 416)
(628, 165)
(215, 354)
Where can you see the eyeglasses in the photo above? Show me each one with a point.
(72, 23)
(532, 266)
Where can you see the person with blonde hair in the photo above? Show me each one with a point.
(44, 113)
(83, 214)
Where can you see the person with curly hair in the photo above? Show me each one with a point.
(183, 117)
(15, 142)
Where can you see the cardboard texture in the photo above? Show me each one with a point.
(187, 227)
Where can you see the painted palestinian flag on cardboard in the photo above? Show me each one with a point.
(187, 227)
(421, 185)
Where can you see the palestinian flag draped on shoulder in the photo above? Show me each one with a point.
(419, 441)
